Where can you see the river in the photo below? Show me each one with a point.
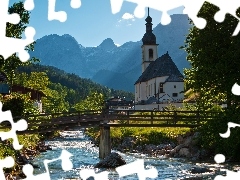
(85, 155)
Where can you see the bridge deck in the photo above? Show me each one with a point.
(131, 118)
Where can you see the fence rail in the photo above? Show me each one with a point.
(114, 118)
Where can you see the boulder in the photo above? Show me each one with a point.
(188, 141)
(180, 139)
(113, 160)
(150, 148)
(198, 170)
(184, 152)
(175, 150)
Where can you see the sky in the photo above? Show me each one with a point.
(93, 21)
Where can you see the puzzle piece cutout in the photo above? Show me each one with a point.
(124, 170)
(8, 162)
(229, 175)
(230, 125)
(138, 168)
(29, 5)
(60, 15)
(8, 45)
(236, 89)
(219, 158)
(191, 8)
(66, 165)
(21, 125)
(87, 173)
(52, 14)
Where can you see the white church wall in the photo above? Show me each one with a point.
(174, 87)
(143, 91)
(156, 106)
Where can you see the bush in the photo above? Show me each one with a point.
(16, 105)
(210, 138)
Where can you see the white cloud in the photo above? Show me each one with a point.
(117, 44)
(128, 16)
(126, 20)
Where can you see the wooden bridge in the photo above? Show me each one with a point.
(129, 118)
(108, 118)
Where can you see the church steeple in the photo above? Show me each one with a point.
(149, 47)
(149, 38)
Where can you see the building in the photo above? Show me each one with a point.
(4, 87)
(161, 82)
(35, 95)
(117, 103)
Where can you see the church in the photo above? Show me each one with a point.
(161, 82)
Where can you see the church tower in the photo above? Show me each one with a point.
(149, 47)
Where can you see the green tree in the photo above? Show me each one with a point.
(56, 99)
(94, 101)
(10, 64)
(37, 81)
(214, 56)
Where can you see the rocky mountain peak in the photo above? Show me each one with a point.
(107, 44)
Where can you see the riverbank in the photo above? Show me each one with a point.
(85, 156)
(156, 142)
(22, 157)
(184, 146)
(33, 145)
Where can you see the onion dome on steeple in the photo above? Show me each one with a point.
(149, 38)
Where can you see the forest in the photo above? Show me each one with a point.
(63, 90)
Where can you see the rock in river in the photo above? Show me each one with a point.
(113, 160)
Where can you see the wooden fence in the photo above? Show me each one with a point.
(114, 118)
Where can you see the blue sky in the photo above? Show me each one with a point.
(93, 21)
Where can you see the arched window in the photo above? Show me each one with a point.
(150, 52)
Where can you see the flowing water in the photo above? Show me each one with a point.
(85, 155)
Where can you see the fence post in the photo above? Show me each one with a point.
(175, 117)
(79, 116)
(105, 141)
(151, 117)
(198, 117)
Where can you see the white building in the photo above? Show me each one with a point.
(161, 82)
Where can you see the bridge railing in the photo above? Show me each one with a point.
(55, 120)
(177, 118)
(117, 118)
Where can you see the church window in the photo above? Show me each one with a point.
(149, 90)
(161, 88)
(150, 51)
(174, 94)
(139, 91)
(155, 88)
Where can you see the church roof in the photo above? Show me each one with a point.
(162, 66)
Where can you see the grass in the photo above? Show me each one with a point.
(143, 135)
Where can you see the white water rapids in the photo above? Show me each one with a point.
(85, 155)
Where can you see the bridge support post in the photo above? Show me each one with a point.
(105, 141)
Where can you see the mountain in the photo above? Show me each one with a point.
(107, 45)
(107, 64)
(60, 51)
(170, 38)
